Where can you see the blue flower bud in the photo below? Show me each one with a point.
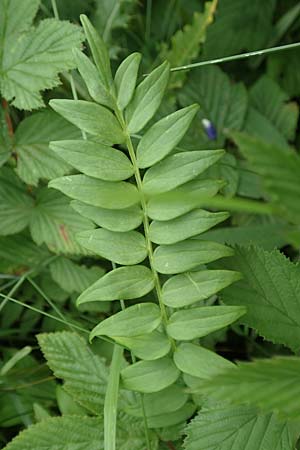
(211, 132)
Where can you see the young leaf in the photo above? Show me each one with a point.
(164, 135)
(199, 362)
(187, 255)
(194, 323)
(106, 194)
(149, 346)
(125, 79)
(150, 376)
(94, 159)
(122, 283)
(191, 287)
(172, 418)
(177, 169)
(147, 98)
(138, 319)
(122, 248)
(91, 118)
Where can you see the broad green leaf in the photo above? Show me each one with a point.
(173, 204)
(150, 376)
(126, 219)
(16, 204)
(149, 346)
(191, 287)
(72, 277)
(131, 434)
(125, 79)
(147, 98)
(34, 158)
(94, 159)
(200, 362)
(19, 250)
(59, 433)
(122, 248)
(270, 384)
(66, 404)
(97, 90)
(259, 126)
(164, 135)
(137, 319)
(6, 135)
(98, 50)
(186, 226)
(91, 118)
(84, 373)
(122, 283)
(270, 290)
(31, 58)
(226, 427)
(55, 223)
(106, 194)
(194, 323)
(177, 169)
(172, 418)
(187, 255)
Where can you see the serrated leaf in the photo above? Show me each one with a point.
(94, 159)
(126, 219)
(125, 79)
(122, 248)
(234, 428)
(199, 362)
(90, 118)
(106, 194)
(149, 376)
(164, 135)
(186, 255)
(191, 287)
(147, 98)
(20, 250)
(194, 323)
(122, 283)
(59, 433)
(34, 158)
(270, 290)
(149, 347)
(84, 373)
(133, 321)
(178, 169)
(183, 227)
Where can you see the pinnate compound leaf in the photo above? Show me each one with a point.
(149, 346)
(106, 194)
(147, 98)
(270, 384)
(150, 376)
(133, 321)
(94, 159)
(59, 433)
(270, 290)
(84, 373)
(226, 427)
(125, 79)
(191, 287)
(164, 135)
(122, 283)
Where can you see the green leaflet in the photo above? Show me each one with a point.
(90, 118)
(126, 219)
(125, 79)
(164, 135)
(150, 346)
(122, 248)
(199, 362)
(94, 159)
(122, 283)
(194, 323)
(173, 204)
(191, 287)
(106, 194)
(187, 255)
(177, 169)
(172, 418)
(183, 227)
(150, 376)
(133, 321)
(147, 98)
